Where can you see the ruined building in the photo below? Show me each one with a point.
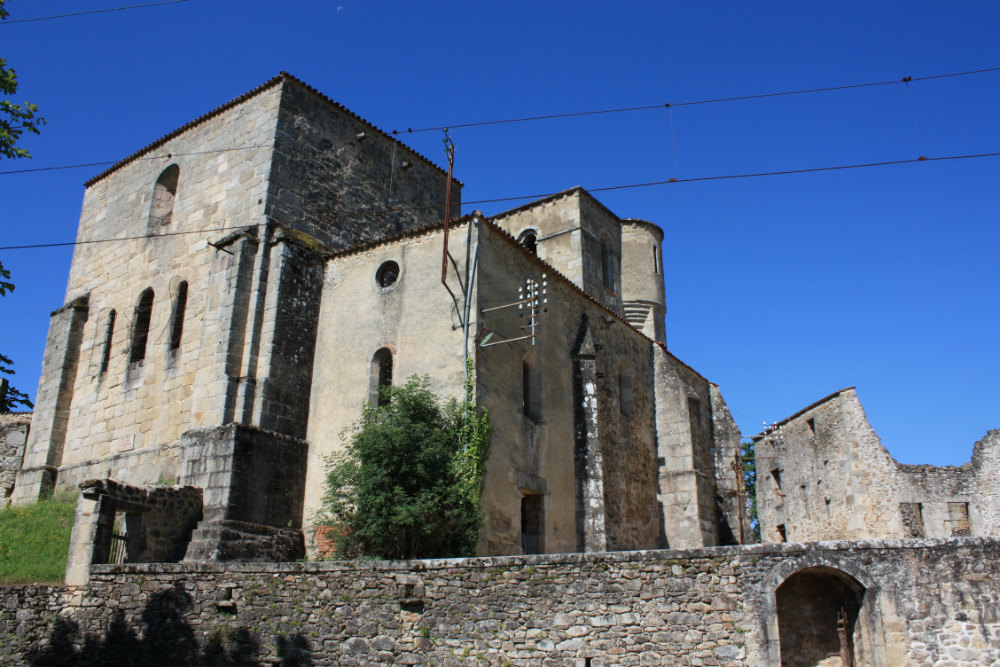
(281, 258)
(823, 474)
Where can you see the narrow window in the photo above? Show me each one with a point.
(781, 532)
(161, 211)
(776, 476)
(608, 264)
(380, 377)
(811, 423)
(531, 388)
(177, 323)
(625, 393)
(656, 260)
(529, 239)
(140, 328)
(109, 333)
(532, 524)
(913, 519)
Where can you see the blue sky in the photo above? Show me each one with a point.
(780, 289)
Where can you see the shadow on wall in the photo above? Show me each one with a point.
(164, 637)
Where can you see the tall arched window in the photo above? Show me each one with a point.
(177, 321)
(608, 264)
(140, 326)
(380, 376)
(531, 386)
(161, 211)
(109, 333)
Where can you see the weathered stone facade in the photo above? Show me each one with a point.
(13, 436)
(281, 258)
(824, 474)
(723, 607)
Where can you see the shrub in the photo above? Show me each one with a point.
(408, 483)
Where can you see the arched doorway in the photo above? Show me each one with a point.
(818, 611)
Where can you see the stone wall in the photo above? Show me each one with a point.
(710, 607)
(13, 435)
(824, 474)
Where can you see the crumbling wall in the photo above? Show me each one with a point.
(824, 474)
(714, 607)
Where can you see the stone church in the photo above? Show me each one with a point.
(279, 259)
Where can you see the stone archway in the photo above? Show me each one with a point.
(818, 611)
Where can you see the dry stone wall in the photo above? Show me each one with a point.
(927, 603)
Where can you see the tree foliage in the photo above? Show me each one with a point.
(15, 119)
(408, 483)
(10, 398)
(750, 484)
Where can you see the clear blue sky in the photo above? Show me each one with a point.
(780, 289)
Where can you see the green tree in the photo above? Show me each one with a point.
(15, 119)
(750, 484)
(408, 483)
(10, 397)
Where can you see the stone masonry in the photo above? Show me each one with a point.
(824, 474)
(721, 607)
(13, 435)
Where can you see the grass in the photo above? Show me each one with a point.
(34, 541)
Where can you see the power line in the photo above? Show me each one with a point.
(93, 11)
(667, 105)
(518, 120)
(696, 179)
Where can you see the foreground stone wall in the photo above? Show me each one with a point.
(930, 602)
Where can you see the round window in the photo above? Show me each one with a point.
(387, 274)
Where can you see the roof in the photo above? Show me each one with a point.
(643, 223)
(281, 78)
(575, 190)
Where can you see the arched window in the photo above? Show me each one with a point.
(626, 396)
(609, 267)
(140, 326)
(529, 239)
(109, 333)
(531, 385)
(177, 321)
(380, 376)
(161, 211)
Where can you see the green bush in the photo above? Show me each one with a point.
(408, 483)
(34, 541)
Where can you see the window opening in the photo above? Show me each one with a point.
(177, 326)
(161, 211)
(776, 476)
(782, 532)
(626, 396)
(656, 260)
(380, 377)
(958, 517)
(811, 423)
(387, 274)
(109, 332)
(529, 239)
(913, 519)
(531, 388)
(140, 328)
(532, 523)
(608, 264)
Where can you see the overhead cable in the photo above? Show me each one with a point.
(696, 179)
(91, 11)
